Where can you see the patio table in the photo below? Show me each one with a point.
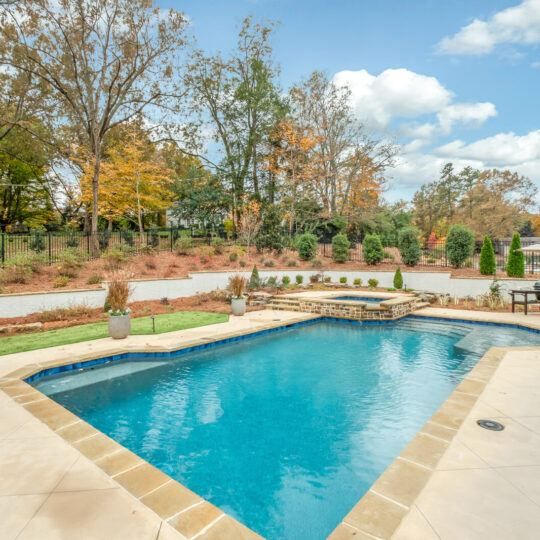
(525, 302)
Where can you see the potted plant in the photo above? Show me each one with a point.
(119, 319)
(237, 285)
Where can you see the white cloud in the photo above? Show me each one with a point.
(400, 93)
(535, 65)
(465, 113)
(393, 93)
(501, 150)
(518, 24)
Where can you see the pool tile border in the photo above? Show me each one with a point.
(378, 513)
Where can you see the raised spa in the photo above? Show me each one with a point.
(284, 431)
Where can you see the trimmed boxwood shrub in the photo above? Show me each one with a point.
(398, 279)
(340, 248)
(307, 245)
(459, 245)
(372, 249)
(487, 258)
(515, 267)
(409, 246)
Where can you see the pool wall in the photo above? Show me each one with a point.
(378, 513)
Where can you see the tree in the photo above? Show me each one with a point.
(238, 100)
(200, 196)
(372, 249)
(269, 236)
(398, 279)
(101, 62)
(135, 181)
(459, 245)
(487, 258)
(515, 267)
(340, 248)
(250, 222)
(409, 246)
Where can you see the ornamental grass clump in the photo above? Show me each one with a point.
(119, 291)
(237, 285)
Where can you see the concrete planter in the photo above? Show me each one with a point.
(119, 326)
(238, 306)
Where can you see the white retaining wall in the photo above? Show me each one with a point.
(19, 305)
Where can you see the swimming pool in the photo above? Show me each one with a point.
(283, 431)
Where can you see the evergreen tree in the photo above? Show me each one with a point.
(398, 279)
(487, 258)
(515, 267)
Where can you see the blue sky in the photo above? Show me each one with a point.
(450, 80)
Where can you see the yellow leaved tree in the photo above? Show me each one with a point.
(135, 181)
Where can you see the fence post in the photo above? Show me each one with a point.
(50, 251)
(171, 239)
(3, 249)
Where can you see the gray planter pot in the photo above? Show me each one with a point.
(238, 306)
(119, 326)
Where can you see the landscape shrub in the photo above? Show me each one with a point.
(327, 279)
(113, 259)
(94, 279)
(242, 263)
(292, 262)
(398, 279)
(286, 280)
(315, 278)
(36, 261)
(388, 255)
(183, 245)
(391, 289)
(60, 281)
(459, 245)
(150, 263)
(104, 238)
(515, 266)
(317, 263)
(299, 279)
(18, 269)
(71, 240)
(154, 237)
(233, 256)
(218, 244)
(409, 246)
(340, 248)
(205, 253)
(71, 261)
(372, 249)
(343, 279)
(60, 314)
(272, 281)
(269, 235)
(37, 241)
(357, 281)
(373, 283)
(269, 263)
(307, 245)
(487, 258)
(128, 237)
(254, 280)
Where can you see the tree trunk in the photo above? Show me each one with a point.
(139, 211)
(95, 198)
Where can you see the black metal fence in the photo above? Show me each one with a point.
(434, 254)
(51, 244)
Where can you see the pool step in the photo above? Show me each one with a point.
(445, 328)
(284, 304)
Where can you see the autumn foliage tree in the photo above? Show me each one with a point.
(135, 181)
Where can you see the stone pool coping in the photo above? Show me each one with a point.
(378, 514)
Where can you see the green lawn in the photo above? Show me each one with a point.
(142, 325)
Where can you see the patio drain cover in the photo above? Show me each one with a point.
(490, 424)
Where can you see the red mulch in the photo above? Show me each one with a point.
(170, 265)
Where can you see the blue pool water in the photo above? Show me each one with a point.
(284, 431)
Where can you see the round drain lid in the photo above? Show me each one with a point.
(490, 424)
